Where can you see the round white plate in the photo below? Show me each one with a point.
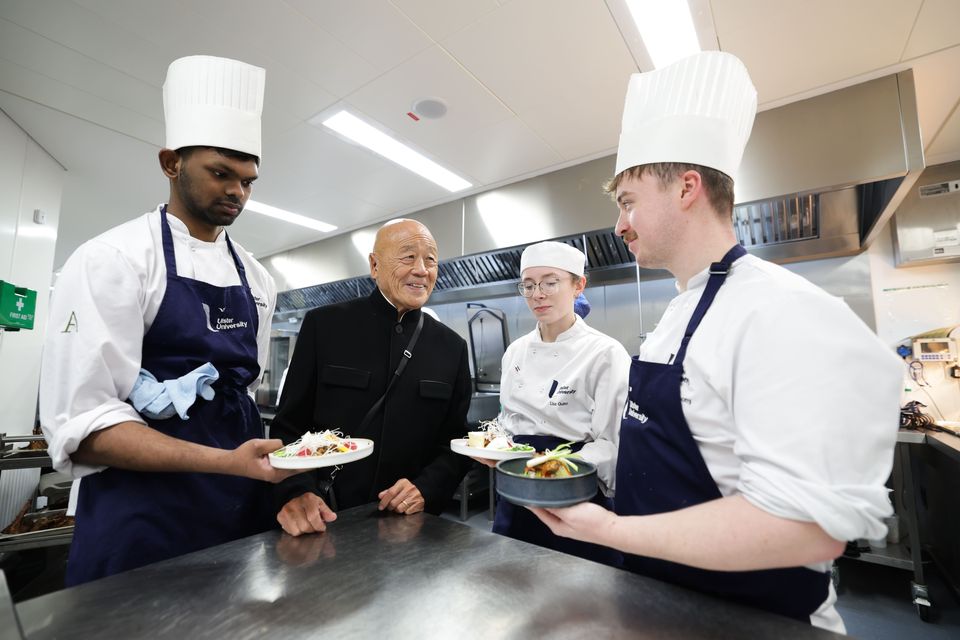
(364, 448)
(460, 446)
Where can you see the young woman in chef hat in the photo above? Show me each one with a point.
(562, 382)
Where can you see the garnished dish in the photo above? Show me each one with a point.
(320, 449)
(490, 442)
(549, 480)
(553, 463)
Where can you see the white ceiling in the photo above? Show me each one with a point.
(531, 85)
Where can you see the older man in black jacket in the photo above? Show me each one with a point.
(345, 356)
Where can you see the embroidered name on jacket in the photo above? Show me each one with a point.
(222, 324)
(557, 389)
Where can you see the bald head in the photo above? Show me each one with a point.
(404, 263)
(399, 230)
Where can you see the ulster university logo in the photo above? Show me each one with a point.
(221, 323)
(632, 409)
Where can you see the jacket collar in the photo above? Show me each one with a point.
(385, 308)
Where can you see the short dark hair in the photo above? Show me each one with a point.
(719, 186)
(186, 152)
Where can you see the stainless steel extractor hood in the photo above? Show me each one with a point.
(821, 177)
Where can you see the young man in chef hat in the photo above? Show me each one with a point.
(158, 332)
(762, 413)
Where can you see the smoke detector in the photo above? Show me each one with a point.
(428, 108)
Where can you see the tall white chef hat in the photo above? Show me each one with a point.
(553, 254)
(698, 110)
(213, 102)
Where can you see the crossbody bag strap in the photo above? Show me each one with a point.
(327, 487)
(407, 354)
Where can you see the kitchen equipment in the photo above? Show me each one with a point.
(488, 343)
(935, 350)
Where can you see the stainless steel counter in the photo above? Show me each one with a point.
(389, 577)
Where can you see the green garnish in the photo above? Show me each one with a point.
(562, 453)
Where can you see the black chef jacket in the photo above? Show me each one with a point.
(344, 357)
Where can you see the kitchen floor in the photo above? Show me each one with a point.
(873, 600)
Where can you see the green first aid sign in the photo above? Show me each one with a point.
(17, 306)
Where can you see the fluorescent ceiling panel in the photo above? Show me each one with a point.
(287, 216)
(666, 28)
(366, 135)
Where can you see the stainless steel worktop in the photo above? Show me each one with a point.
(389, 576)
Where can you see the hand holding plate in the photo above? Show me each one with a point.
(251, 460)
(582, 521)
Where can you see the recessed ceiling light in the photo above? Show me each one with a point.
(287, 216)
(666, 27)
(365, 134)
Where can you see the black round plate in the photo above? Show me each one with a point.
(525, 491)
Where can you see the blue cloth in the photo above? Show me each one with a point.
(581, 306)
(162, 400)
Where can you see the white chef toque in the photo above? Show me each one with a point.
(553, 254)
(698, 110)
(213, 102)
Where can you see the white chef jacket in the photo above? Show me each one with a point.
(588, 372)
(104, 302)
(792, 399)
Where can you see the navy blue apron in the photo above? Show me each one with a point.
(126, 519)
(519, 523)
(660, 469)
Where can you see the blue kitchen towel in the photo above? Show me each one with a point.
(162, 400)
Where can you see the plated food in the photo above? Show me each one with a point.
(553, 463)
(320, 449)
(550, 480)
(492, 443)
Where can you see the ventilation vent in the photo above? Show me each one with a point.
(320, 295)
(777, 221)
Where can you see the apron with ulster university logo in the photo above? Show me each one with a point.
(126, 519)
(660, 469)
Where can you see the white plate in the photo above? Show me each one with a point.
(364, 448)
(460, 446)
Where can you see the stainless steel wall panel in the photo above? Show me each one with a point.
(557, 204)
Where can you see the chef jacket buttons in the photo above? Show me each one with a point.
(398, 328)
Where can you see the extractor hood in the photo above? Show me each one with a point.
(819, 178)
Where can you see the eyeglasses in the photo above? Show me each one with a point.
(549, 288)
